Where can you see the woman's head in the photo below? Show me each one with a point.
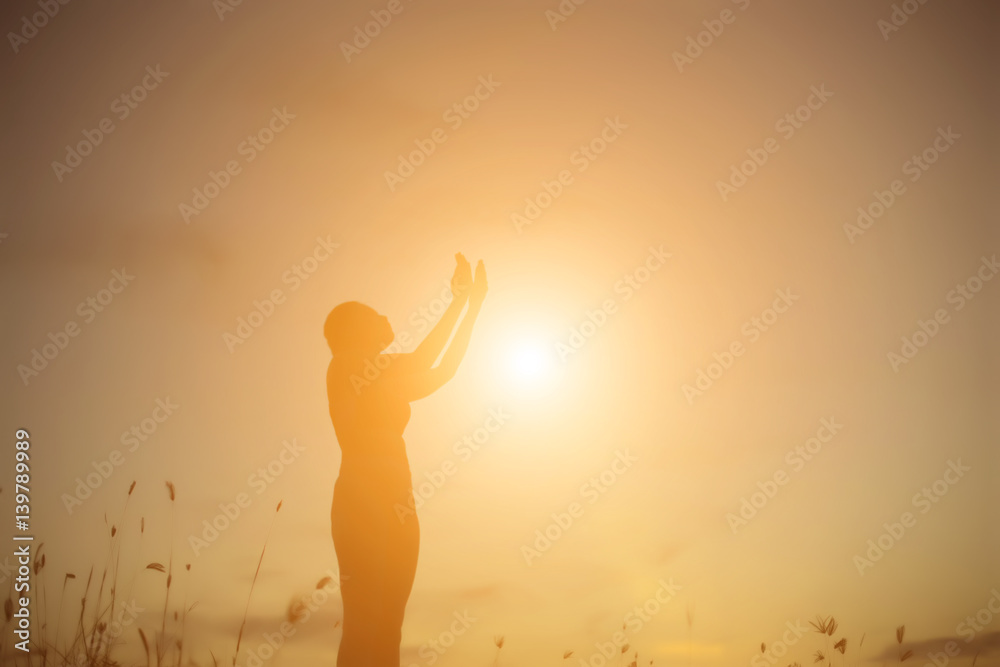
(355, 327)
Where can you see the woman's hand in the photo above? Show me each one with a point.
(461, 280)
(479, 287)
(416, 385)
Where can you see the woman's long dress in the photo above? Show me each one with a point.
(375, 531)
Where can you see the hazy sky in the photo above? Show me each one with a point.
(698, 202)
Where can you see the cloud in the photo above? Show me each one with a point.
(982, 644)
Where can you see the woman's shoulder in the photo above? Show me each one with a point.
(356, 377)
(338, 375)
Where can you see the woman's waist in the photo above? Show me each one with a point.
(375, 469)
(375, 441)
(370, 491)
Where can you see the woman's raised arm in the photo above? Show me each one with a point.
(422, 383)
(430, 347)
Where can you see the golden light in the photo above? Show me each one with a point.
(530, 365)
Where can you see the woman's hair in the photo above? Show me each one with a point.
(351, 326)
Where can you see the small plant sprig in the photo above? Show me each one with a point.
(498, 640)
(246, 610)
(903, 655)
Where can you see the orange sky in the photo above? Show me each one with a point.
(622, 145)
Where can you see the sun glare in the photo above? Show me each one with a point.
(530, 365)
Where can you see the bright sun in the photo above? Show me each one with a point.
(528, 361)
(530, 365)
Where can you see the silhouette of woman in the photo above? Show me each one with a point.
(369, 395)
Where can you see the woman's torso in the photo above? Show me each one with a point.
(369, 421)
